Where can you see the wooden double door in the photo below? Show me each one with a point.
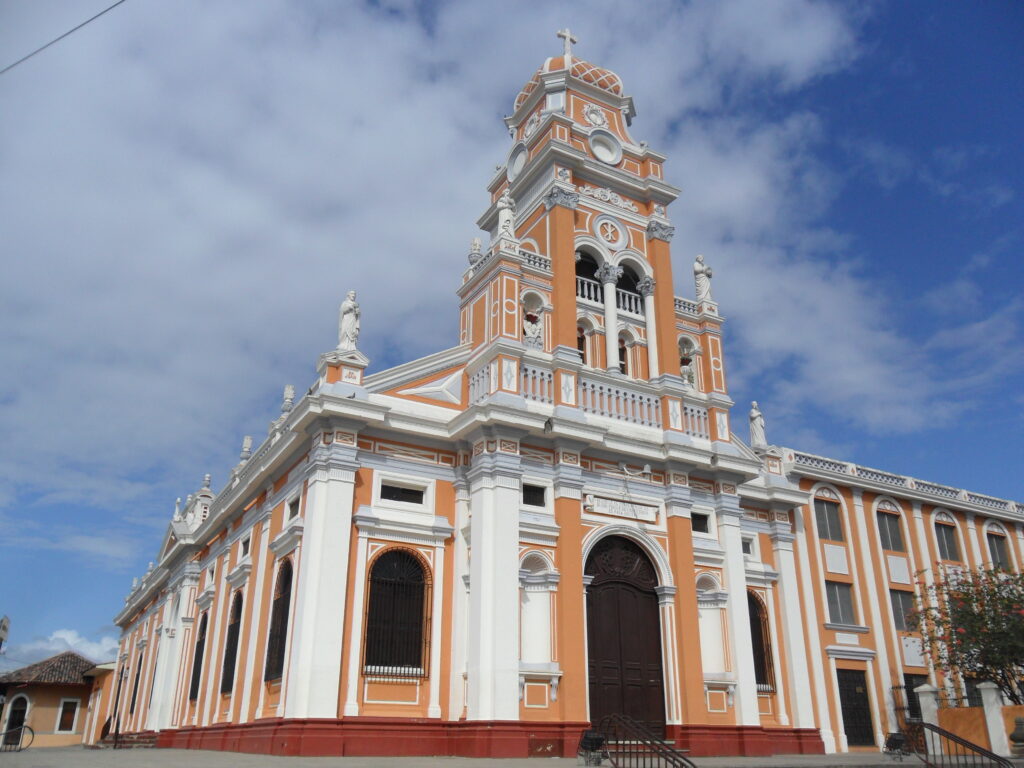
(625, 673)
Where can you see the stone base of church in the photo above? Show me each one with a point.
(399, 737)
(724, 740)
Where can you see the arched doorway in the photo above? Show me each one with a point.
(15, 720)
(624, 634)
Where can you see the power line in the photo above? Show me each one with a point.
(58, 39)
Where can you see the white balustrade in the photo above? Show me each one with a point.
(686, 306)
(631, 303)
(535, 260)
(479, 385)
(537, 384)
(590, 290)
(618, 402)
(695, 421)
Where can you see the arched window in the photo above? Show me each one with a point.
(135, 685)
(627, 295)
(396, 616)
(587, 285)
(760, 642)
(997, 549)
(197, 659)
(278, 639)
(946, 538)
(227, 677)
(581, 344)
(623, 356)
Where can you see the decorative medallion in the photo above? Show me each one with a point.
(595, 116)
(610, 231)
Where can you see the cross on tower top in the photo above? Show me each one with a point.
(569, 39)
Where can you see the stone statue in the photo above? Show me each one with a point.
(686, 371)
(533, 330)
(348, 323)
(506, 214)
(702, 277)
(475, 253)
(757, 435)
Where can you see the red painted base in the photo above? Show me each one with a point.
(716, 740)
(380, 736)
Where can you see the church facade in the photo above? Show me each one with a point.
(482, 551)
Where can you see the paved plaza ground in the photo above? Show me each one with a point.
(76, 757)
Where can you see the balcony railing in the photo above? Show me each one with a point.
(619, 402)
(589, 290)
(631, 303)
(537, 384)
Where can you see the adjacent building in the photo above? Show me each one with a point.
(482, 551)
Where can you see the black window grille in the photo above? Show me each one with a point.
(401, 493)
(397, 617)
(533, 495)
(135, 685)
(227, 677)
(197, 660)
(760, 642)
(890, 533)
(830, 525)
(278, 638)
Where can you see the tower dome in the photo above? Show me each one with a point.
(582, 70)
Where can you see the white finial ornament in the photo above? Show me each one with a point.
(348, 323)
(246, 453)
(568, 39)
(206, 481)
(289, 398)
(475, 246)
(177, 508)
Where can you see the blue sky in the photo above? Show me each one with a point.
(187, 190)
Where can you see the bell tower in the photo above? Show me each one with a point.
(577, 268)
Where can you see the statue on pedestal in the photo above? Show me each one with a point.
(758, 440)
(702, 278)
(348, 323)
(506, 214)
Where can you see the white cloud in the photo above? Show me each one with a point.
(184, 204)
(60, 640)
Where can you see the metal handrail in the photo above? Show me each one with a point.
(940, 748)
(630, 745)
(20, 744)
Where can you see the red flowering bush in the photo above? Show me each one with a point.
(972, 625)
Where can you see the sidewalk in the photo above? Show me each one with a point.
(76, 757)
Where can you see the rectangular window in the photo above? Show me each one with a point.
(245, 546)
(293, 508)
(945, 535)
(748, 546)
(997, 549)
(68, 710)
(533, 495)
(911, 682)
(890, 533)
(830, 526)
(401, 493)
(840, 602)
(902, 606)
(701, 522)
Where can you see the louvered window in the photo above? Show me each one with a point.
(277, 641)
(197, 660)
(227, 677)
(397, 619)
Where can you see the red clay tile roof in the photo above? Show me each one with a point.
(66, 668)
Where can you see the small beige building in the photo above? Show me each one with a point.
(50, 696)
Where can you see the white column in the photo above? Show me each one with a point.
(257, 626)
(646, 286)
(992, 701)
(314, 673)
(434, 708)
(928, 698)
(739, 614)
(359, 597)
(493, 622)
(870, 595)
(460, 602)
(794, 643)
(973, 541)
(926, 565)
(169, 653)
(609, 276)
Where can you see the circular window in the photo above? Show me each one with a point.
(605, 147)
(516, 161)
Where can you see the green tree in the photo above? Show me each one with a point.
(972, 624)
